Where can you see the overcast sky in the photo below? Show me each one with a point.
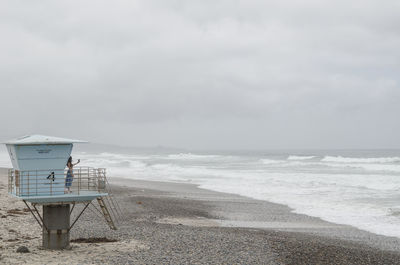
(203, 74)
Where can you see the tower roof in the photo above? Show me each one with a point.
(42, 139)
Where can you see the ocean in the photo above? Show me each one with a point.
(354, 187)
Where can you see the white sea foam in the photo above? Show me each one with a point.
(270, 161)
(190, 156)
(366, 167)
(297, 157)
(341, 159)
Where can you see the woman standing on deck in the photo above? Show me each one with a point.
(70, 174)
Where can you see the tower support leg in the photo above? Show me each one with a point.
(56, 219)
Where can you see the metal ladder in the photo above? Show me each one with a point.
(106, 213)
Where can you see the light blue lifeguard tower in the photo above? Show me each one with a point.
(39, 177)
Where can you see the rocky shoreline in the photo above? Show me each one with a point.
(167, 223)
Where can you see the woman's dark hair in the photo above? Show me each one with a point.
(69, 160)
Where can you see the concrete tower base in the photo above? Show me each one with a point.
(56, 220)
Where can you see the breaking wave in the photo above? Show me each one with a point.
(190, 156)
(341, 159)
(293, 157)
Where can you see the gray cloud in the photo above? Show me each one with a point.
(203, 74)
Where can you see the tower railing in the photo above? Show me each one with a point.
(55, 182)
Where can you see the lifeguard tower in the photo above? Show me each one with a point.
(38, 177)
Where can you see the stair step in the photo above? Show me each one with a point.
(106, 213)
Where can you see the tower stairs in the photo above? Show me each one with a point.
(109, 206)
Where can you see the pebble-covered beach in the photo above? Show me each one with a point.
(166, 223)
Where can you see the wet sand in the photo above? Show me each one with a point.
(169, 223)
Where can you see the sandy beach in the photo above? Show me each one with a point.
(174, 223)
